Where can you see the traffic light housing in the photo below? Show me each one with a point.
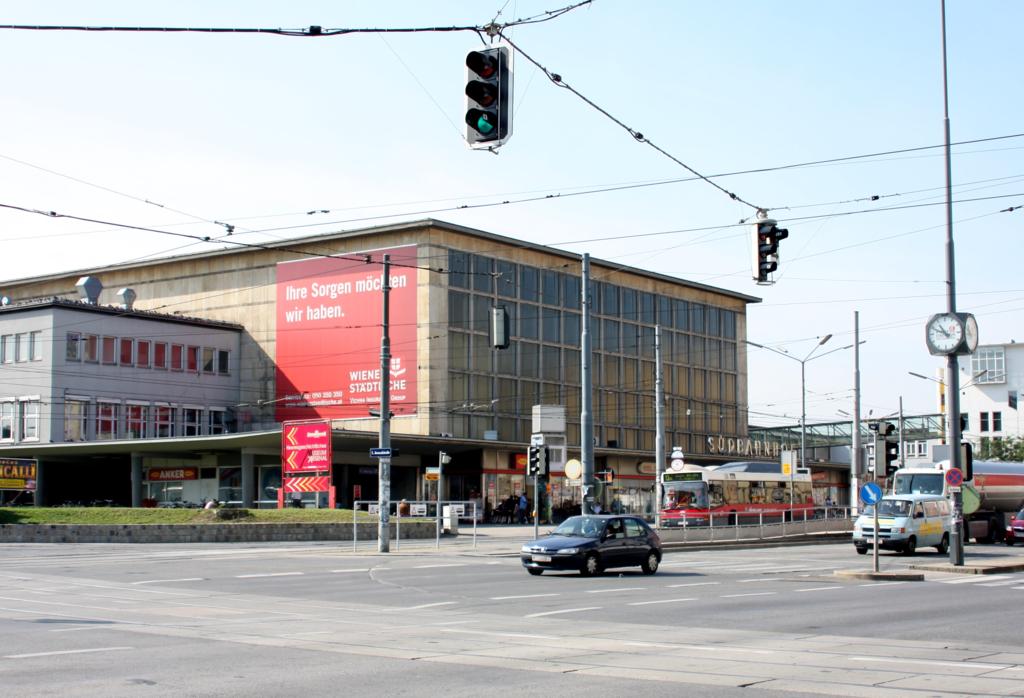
(488, 97)
(765, 246)
(606, 476)
(967, 460)
(890, 454)
(537, 462)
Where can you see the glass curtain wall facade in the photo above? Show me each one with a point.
(496, 389)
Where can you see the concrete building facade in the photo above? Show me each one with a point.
(300, 324)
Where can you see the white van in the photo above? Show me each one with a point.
(905, 522)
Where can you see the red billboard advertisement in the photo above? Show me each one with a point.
(329, 318)
(306, 447)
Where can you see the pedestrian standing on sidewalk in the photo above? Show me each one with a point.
(521, 510)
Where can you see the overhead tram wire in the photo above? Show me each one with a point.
(637, 135)
(312, 31)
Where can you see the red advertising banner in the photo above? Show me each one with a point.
(306, 447)
(329, 316)
(307, 484)
(171, 474)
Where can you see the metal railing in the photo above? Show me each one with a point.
(446, 515)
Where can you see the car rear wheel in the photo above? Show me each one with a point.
(910, 547)
(650, 565)
(943, 547)
(535, 571)
(591, 565)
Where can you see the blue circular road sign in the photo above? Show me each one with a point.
(870, 493)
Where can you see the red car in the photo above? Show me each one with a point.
(1015, 531)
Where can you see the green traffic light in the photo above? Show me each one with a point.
(483, 124)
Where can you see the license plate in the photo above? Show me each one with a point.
(542, 558)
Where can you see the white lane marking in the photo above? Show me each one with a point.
(427, 605)
(881, 584)
(966, 580)
(609, 591)
(819, 588)
(564, 610)
(430, 567)
(168, 581)
(524, 596)
(692, 584)
(496, 634)
(896, 660)
(54, 654)
(352, 569)
(84, 627)
(759, 579)
(759, 593)
(1004, 583)
(704, 648)
(648, 603)
(269, 574)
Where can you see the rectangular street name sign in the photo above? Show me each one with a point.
(380, 452)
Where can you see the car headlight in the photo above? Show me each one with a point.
(568, 551)
(525, 549)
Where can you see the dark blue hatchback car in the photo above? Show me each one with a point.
(591, 544)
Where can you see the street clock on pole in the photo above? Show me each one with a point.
(950, 334)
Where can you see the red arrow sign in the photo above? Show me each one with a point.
(306, 446)
(307, 484)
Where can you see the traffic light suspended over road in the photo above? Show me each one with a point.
(488, 97)
(765, 249)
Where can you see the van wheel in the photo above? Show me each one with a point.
(910, 547)
(943, 547)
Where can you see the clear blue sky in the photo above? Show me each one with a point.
(257, 130)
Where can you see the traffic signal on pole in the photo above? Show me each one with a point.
(488, 97)
(606, 476)
(967, 460)
(891, 453)
(766, 236)
(537, 461)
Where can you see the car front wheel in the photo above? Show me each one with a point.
(650, 565)
(862, 550)
(535, 571)
(591, 566)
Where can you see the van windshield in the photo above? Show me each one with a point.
(918, 483)
(890, 507)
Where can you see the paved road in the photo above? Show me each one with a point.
(266, 619)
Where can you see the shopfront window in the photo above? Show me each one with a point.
(230, 485)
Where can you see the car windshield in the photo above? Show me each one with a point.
(1020, 515)
(580, 527)
(890, 507)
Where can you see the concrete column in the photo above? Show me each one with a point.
(248, 479)
(136, 480)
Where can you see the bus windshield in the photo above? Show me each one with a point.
(918, 483)
(688, 494)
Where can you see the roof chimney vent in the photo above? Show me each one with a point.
(127, 296)
(89, 288)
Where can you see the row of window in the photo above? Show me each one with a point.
(19, 419)
(22, 346)
(499, 279)
(100, 420)
(145, 353)
(988, 365)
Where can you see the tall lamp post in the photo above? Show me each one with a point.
(803, 384)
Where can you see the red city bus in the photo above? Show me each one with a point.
(748, 492)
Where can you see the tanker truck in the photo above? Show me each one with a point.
(996, 490)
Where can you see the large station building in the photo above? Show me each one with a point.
(169, 380)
